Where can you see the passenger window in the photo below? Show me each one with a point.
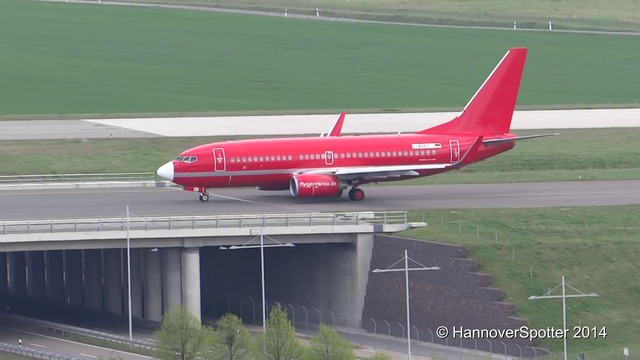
(261, 158)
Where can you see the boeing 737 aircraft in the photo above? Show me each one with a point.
(324, 166)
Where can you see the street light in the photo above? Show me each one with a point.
(261, 246)
(406, 270)
(564, 297)
(129, 278)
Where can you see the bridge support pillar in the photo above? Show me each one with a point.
(36, 275)
(18, 274)
(152, 285)
(191, 281)
(136, 281)
(93, 279)
(4, 286)
(171, 278)
(73, 277)
(361, 269)
(53, 260)
(113, 281)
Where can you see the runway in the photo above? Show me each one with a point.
(300, 124)
(92, 203)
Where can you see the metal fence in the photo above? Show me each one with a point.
(67, 330)
(24, 351)
(75, 178)
(201, 222)
(378, 333)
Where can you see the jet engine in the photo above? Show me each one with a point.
(314, 185)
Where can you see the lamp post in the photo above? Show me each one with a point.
(564, 297)
(261, 246)
(129, 278)
(406, 270)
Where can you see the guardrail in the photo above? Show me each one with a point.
(75, 178)
(62, 329)
(24, 351)
(201, 222)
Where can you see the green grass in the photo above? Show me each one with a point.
(575, 14)
(596, 248)
(7, 356)
(76, 59)
(591, 154)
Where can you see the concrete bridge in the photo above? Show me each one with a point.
(185, 260)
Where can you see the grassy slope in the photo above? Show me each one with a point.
(587, 154)
(64, 59)
(596, 248)
(591, 14)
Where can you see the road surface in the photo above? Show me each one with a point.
(92, 203)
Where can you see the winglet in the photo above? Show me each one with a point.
(337, 126)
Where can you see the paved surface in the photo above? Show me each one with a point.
(319, 17)
(299, 124)
(64, 129)
(46, 204)
(11, 333)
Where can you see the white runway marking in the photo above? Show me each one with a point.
(232, 198)
(90, 356)
(37, 345)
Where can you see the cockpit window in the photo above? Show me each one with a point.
(187, 159)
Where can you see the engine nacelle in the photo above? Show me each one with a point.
(314, 185)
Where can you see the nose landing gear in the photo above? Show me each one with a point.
(204, 197)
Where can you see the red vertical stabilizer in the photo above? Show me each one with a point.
(490, 109)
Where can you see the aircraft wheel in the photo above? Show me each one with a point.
(204, 197)
(356, 194)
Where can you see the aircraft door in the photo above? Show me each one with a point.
(328, 157)
(454, 146)
(219, 160)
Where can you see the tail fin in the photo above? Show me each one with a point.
(490, 109)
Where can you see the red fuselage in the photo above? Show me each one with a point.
(270, 163)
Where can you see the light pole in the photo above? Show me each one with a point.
(261, 246)
(406, 270)
(564, 297)
(129, 278)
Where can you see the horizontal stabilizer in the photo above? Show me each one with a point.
(504, 140)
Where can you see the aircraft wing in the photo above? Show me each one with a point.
(377, 172)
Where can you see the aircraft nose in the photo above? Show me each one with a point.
(166, 171)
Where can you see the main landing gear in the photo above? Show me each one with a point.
(204, 197)
(356, 194)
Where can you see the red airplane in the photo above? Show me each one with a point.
(324, 166)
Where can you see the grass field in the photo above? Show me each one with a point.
(596, 248)
(7, 356)
(80, 59)
(576, 14)
(593, 154)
